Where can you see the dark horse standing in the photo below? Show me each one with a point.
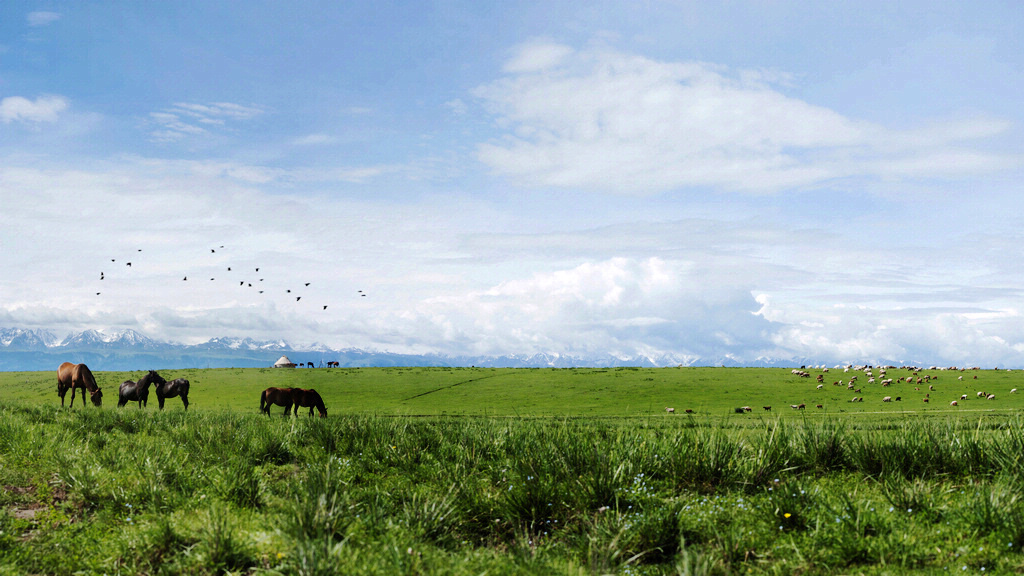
(178, 387)
(289, 397)
(138, 391)
(72, 376)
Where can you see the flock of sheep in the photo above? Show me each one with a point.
(914, 378)
(853, 383)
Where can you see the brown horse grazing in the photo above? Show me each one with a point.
(71, 376)
(279, 396)
(177, 387)
(308, 399)
(292, 397)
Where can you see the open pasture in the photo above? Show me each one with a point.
(573, 391)
(470, 471)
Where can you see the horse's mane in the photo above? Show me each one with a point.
(151, 378)
(81, 372)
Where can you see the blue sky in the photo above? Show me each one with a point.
(680, 179)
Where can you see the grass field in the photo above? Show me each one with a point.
(564, 392)
(471, 471)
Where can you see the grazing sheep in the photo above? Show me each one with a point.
(991, 396)
(670, 410)
(963, 396)
(767, 408)
(953, 403)
(817, 406)
(688, 411)
(887, 399)
(981, 394)
(1014, 391)
(926, 400)
(899, 398)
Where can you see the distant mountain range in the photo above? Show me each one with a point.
(32, 350)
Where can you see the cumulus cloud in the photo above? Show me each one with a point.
(620, 122)
(42, 109)
(620, 306)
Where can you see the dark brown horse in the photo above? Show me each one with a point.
(308, 399)
(178, 387)
(71, 376)
(138, 391)
(289, 397)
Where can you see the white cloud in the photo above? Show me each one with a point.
(619, 306)
(185, 119)
(42, 18)
(318, 139)
(42, 109)
(537, 56)
(617, 122)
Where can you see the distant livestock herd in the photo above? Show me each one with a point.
(868, 372)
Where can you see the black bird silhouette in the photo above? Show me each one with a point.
(229, 268)
(289, 291)
(297, 298)
(307, 283)
(212, 250)
(97, 293)
(242, 283)
(128, 264)
(325, 307)
(257, 269)
(185, 278)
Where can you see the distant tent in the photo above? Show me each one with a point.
(284, 362)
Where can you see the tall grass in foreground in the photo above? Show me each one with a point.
(137, 492)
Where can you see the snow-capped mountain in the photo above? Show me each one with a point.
(119, 339)
(129, 350)
(19, 339)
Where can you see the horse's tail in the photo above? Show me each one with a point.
(263, 401)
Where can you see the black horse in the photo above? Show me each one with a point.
(138, 391)
(178, 387)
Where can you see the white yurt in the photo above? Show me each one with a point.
(284, 362)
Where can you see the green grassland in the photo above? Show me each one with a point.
(565, 392)
(526, 471)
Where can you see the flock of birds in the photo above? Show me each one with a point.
(253, 282)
